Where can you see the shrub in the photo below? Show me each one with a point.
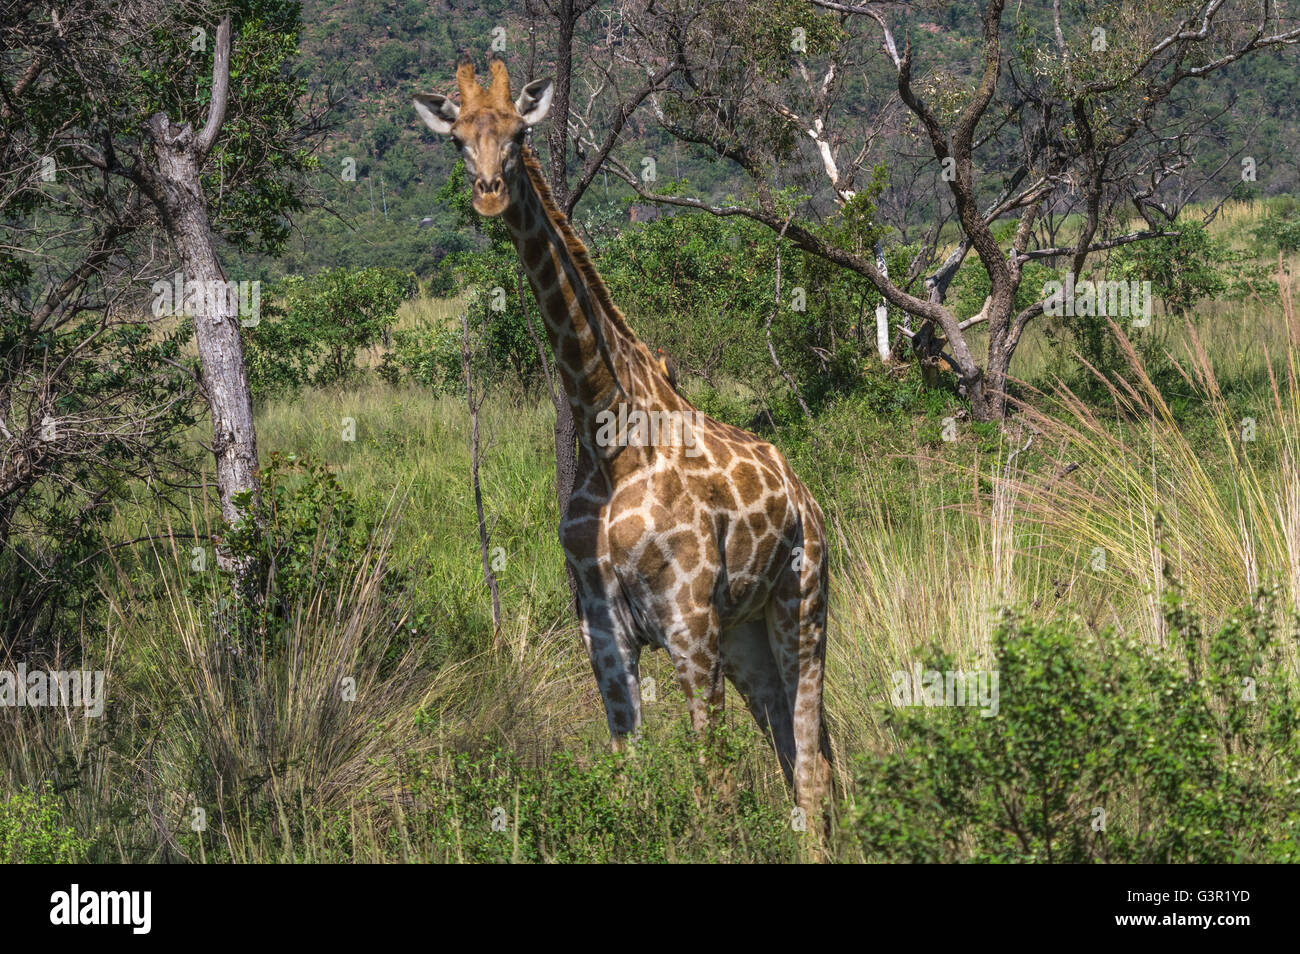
(654, 804)
(312, 334)
(32, 831)
(699, 287)
(1288, 235)
(1185, 270)
(306, 534)
(1189, 268)
(1185, 762)
(500, 346)
(428, 356)
(500, 307)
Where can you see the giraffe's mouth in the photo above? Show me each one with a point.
(490, 205)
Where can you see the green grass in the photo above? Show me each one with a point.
(412, 449)
(931, 540)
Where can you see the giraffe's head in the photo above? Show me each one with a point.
(488, 128)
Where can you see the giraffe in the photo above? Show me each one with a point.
(699, 539)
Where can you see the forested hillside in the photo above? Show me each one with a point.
(369, 57)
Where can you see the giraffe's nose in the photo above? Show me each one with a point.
(494, 186)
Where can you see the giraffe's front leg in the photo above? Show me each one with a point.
(615, 660)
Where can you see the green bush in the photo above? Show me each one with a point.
(313, 330)
(32, 831)
(657, 803)
(1184, 271)
(703, 289)
(430, 357)
(1189, 268)
(306, 534)
(498, 302)
(501, 350)
(1169, 744)
(1287, 235)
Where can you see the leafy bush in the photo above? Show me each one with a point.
(1189, 268)
(701, 288)
(121, 403)
(430, 357)
(1191, 753)
(1183, 271)
(32, 831)
(312, 334)
(306, 534)
(704, 289)
(657, 803)
(500, 305)
(1287, 235)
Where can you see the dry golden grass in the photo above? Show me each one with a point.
(1220, 504)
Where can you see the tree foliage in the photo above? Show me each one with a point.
(96, 390)
(317, 326)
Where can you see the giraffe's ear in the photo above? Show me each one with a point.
(438, 112)
(535, 101)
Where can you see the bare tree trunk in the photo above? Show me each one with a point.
(882, 310)
(175, 188)
(566, 440)
(566, 14)
(997, 367)
(216, 322)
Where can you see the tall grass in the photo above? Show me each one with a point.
(414, 444)
(246, 735)
(1134, 488)
(1076, 509)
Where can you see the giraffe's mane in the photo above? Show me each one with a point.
(580, 256)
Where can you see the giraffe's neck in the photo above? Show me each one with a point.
(599, 359)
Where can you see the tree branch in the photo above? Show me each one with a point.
(220, 92)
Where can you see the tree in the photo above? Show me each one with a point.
(1075, 127)
(171, 181)
(87, 181)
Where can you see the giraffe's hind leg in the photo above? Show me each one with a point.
(748, 662)
(692, 644)
(797, 626)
